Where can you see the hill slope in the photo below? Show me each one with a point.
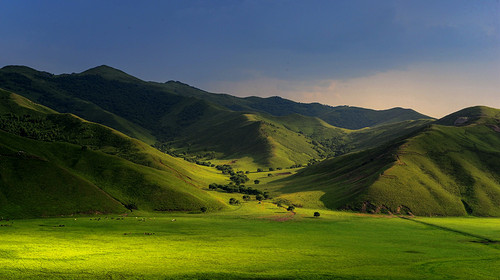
(183, 120)
(450, 168)
(55, 164)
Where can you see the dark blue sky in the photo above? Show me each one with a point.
(376, 54)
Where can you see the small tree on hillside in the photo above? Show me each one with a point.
(256, 182)
(290, 208)
(316, 214)
(203, 209)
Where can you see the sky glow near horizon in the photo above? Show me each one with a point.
(432, 56)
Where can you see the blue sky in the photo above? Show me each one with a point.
(432, 56)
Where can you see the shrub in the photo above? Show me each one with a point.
(259, 197)
(234, 201)
(290, 208)
(131, 206)
(203, 209)
(256, 182)
(316, 214)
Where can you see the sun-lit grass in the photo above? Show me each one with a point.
(250, 241)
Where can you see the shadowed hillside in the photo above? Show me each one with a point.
(55, 164)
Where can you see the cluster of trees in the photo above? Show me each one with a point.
(334, 146)
(38, 128)
(200, 158)
(270, 169)
(239, 178)
(234, 201)
(232, 188)
(226, 169)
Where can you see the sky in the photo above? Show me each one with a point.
(435, 57)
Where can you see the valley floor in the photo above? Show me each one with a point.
(252, 241)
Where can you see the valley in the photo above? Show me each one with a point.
(142, 180)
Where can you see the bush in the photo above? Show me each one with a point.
(239, 178)
(246, 197)
(233, 201)
(203, 209)
(259, 170)
(316, 214)
(290, 208)
(259, 197)
(131, 206)
(256, 182)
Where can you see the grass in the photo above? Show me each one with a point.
(437, 170)
(445, 171)
(100, 170)
(246, 242)
(189, 120)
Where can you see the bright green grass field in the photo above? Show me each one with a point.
(251, 241)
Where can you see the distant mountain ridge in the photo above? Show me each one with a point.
(184, 119)
(340, 116)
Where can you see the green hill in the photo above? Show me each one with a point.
(451, 167)
(186, 121)
(59, 164)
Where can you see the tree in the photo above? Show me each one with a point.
(259, 197)
(259, 170)
(203, 209)
(246, 197)
(316, 214)
(271, 169)
(290, 208)
(256, 182)
(233, 201)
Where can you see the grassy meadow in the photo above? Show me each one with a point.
(249, 241)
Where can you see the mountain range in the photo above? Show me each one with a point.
(105, 141)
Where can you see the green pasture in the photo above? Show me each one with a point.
(249, 241)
